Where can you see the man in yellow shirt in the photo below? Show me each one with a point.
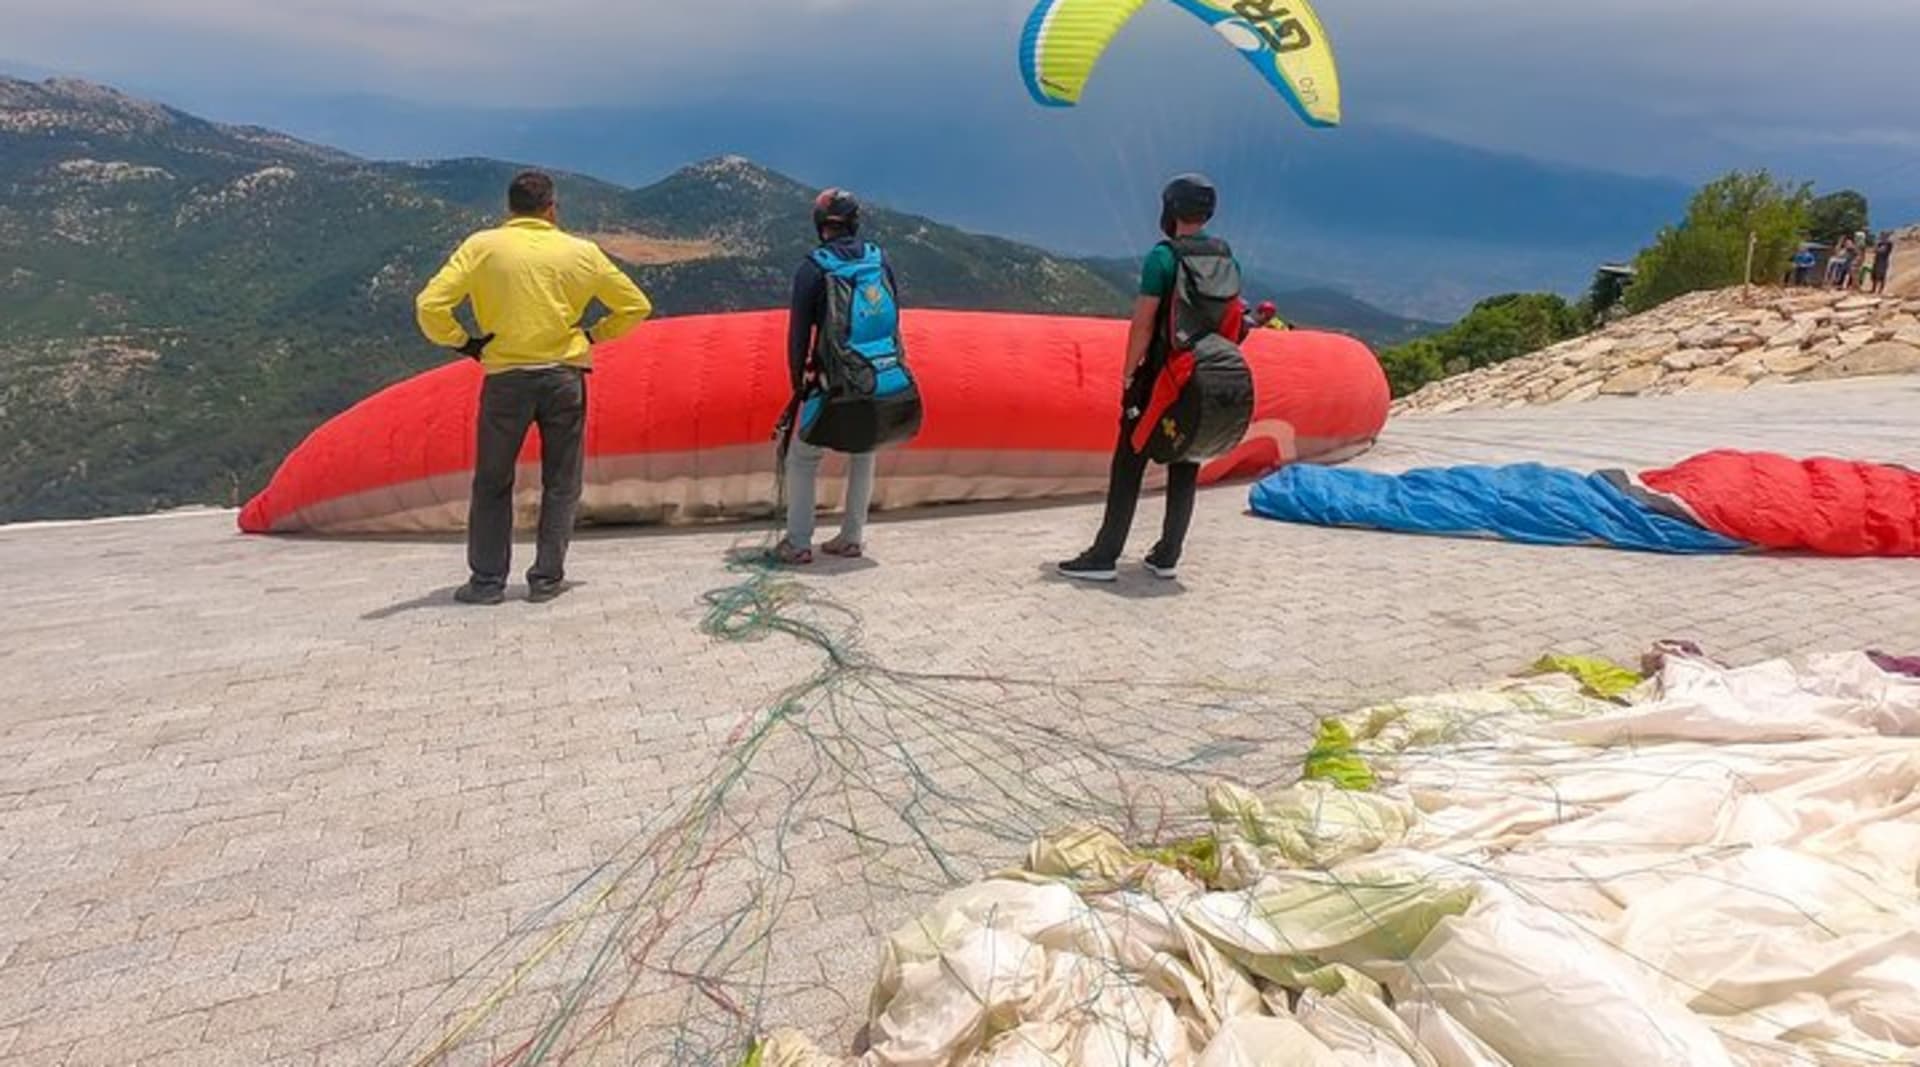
(530, 286)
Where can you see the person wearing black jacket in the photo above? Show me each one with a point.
(836, 221)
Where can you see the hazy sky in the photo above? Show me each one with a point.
(1677, 87)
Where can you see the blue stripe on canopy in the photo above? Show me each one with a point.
(1030, 55)
(1529, 503)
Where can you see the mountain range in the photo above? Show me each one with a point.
(182, 300)
(1420, 225)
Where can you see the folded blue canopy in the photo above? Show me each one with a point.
(1527, 502)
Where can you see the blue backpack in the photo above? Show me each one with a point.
(863, 396)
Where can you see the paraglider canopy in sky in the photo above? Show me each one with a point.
(1283, 39)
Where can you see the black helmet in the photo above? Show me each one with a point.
(836, 207)
(1187, 198)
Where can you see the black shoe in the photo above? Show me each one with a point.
(1160, 567)
(1086, 567)
(541, 590)
(476, 593)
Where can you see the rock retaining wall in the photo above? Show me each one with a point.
(1706, 342)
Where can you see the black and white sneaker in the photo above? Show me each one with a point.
(1166, 572)
(1086, 568)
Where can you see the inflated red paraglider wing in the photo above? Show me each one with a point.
(383, 456)
(1831, 506)
(680, 415)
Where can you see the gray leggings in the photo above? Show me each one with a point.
(803, 476)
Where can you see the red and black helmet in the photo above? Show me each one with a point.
(838, 208)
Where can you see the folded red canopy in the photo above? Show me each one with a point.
(1835, 507)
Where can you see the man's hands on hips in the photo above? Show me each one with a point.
(475, 346)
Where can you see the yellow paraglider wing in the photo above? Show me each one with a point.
(1286, 42)
(1283, 39)
(1062, 42)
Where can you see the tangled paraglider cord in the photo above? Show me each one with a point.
(833, 812)
(848, 800)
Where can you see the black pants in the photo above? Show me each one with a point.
(555, 400)
(1123, 497)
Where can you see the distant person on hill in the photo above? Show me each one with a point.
(530, 286)
(844, 313)
(1803, 263)
(1882, 262)
(1265, 317)
(1187, 204)
(1840, 266)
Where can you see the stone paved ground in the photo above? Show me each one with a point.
(260, 800)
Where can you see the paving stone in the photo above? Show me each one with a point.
(150, 1040)
(295, 821)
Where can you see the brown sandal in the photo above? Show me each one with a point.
(787, 555)
(843, 549)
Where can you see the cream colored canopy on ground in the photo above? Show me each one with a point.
(1721, 871)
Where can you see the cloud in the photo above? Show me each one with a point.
(496, 51)
(1643, 85)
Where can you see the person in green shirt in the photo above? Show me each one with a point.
(1187, 204)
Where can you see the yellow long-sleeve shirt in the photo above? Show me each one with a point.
(530, 283)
